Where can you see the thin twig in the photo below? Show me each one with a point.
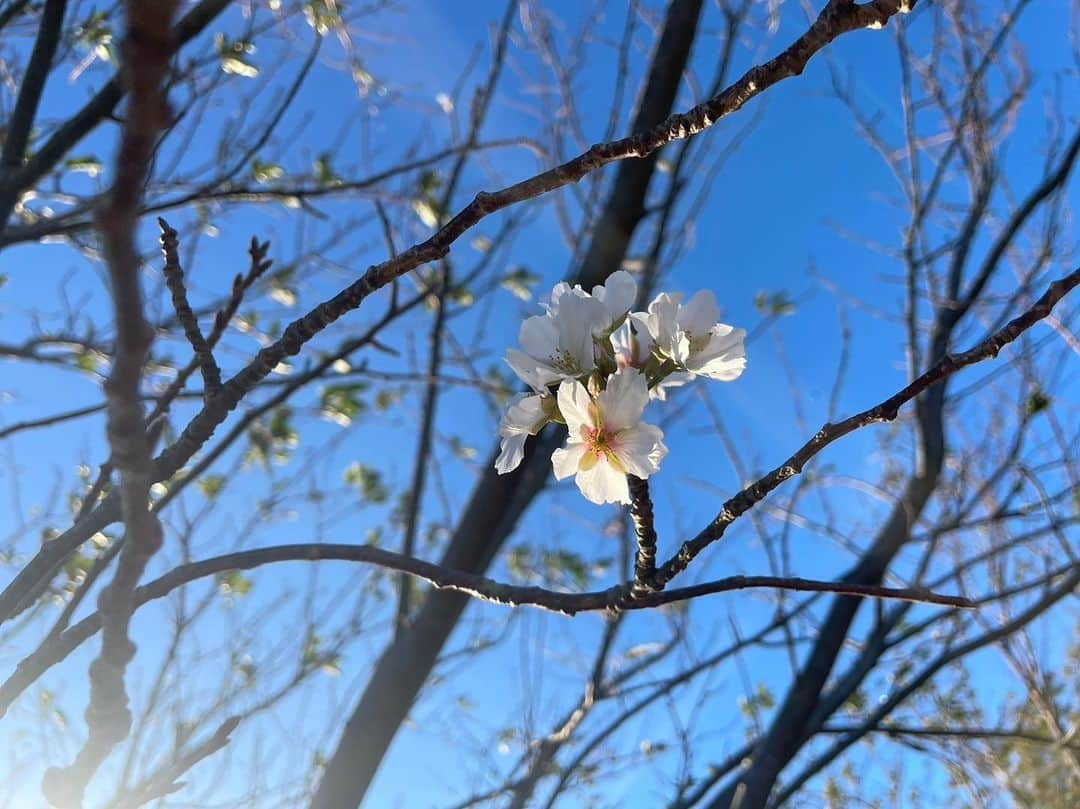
(954, 733)
(166, 782)
(174, 279)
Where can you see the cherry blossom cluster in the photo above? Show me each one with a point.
(593, 364)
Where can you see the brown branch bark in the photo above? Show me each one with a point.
(954, 733)
(92, 114)
(1066, 586)
(441, 578)
(146, 63)
(17, 134)
(174, 279)
(654, 131)
(883, 412)
(641, 512)
(166, 781)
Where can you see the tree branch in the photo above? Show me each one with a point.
(641, 512)
(885, 411)
(174, 279)
(93, 113)
(19, 126)
(146, 62)
(835, 20)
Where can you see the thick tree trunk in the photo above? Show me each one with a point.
(499, 501)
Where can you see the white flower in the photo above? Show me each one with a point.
(524, 417)
(688, 335)
(617, 294)
(558, 345)
(606, 438)
(632, 342)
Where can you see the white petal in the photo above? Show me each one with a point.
(641, 449)
(699, 314)
(559, 290)
(622, 340)
(681, 347)
(574, 404)
(663, 321)
(623, 401)
(603, 484)
(524, 416)
(632, 342)
(618, 294)
(723, 357)
(513, 451)
(565, 461)
(577, 320)
(530, 371)
(539, 336)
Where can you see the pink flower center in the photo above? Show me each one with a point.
(600, 443)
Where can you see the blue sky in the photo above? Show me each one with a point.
(775, 220)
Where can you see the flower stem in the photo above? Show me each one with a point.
(641, 510)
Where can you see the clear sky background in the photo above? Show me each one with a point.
(776, 220)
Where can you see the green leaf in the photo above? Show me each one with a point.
(234, 583)
(96, 36)
(430, 181)
(388, 397)
(87, 361)
(563, 564)
(266, 172)
(87, 165)
(247, 670)
(342, 403)
(238, 67)
(77, 566)
(211, 486)
(312, 649)
(369, 481)
(232, 55)
(462, 296)
(520, 282)
(284, 295)
(1037, 402)
(426, 211)
(273, 441)
(519, 562)
(323, 16)
(324, 174)
(313, 656)
(281, 425)
(463, 451)
(774, 304)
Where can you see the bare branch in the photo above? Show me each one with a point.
(146, 61)
(174, 278)
(641, 511)
(883, 412)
